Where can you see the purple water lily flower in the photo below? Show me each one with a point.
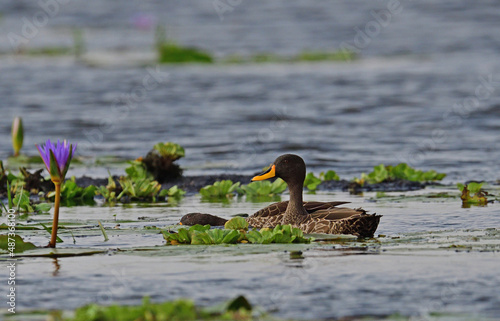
(57, 158)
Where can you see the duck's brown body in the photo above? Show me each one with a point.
(323, 217)
(310, 217)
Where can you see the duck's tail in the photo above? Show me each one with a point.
(363, 225)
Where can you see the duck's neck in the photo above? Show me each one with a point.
(295, 211)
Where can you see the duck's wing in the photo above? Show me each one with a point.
(280, 208)
(336, 213)
(271, 215)
(361, 225)
(312, 207)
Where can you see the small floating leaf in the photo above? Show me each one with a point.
(236, 223)
(473, 194)
(15, 244)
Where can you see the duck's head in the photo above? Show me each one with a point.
(289, 167)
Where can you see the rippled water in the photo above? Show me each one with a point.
(403, 101)
(412, 270)
(424, 91)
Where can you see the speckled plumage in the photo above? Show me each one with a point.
(323, 217)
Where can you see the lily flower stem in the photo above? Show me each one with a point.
(55, 222)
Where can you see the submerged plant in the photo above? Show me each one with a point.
(304, 56)
(57, 159)
(340, 55)
(17, 135)
(78, 43)
(170, 52)
(473, 193)
(219, 190)
(160, 161)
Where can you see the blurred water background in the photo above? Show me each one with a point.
(423, 91)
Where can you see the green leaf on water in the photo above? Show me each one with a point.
(473, 194)
(15, 244)
(236, 223)
(203, 235)
(231, 237)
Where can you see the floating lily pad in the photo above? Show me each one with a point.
(4, 226)
(15, 244)
(64, 252)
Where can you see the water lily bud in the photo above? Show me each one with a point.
(17, 135)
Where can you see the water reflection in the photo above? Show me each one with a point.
(57, 266)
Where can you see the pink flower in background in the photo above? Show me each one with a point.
(143, 21)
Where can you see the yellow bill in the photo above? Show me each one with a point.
(267, 174)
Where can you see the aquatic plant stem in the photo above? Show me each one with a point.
(55, 222)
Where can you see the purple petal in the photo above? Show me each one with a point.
(44, 156)
(61, 152)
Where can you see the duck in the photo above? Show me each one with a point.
(310, 217)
